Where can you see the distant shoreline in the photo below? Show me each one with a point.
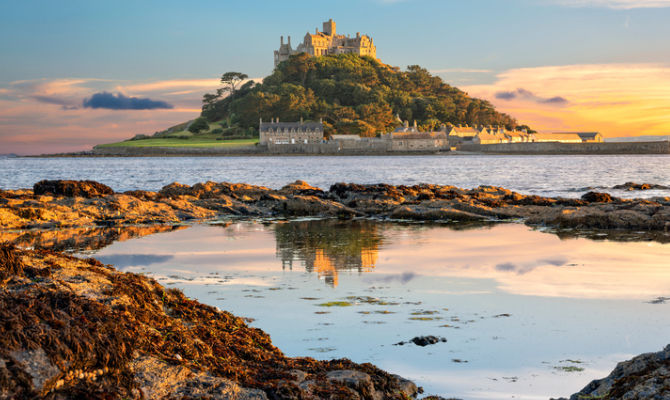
(535, 148)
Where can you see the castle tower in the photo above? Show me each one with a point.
(329, 28)
(327, 42)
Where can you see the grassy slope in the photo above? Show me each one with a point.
(184, 138)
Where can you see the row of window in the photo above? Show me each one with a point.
(284, 130)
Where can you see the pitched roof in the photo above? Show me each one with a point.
(291, 125)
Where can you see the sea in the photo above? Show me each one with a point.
(521, 312)
(567, 176)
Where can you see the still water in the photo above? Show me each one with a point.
(526, 314)
(567, 176)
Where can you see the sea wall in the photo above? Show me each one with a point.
(660, 147)
(384, 147)
(348, 147)
(124, 151)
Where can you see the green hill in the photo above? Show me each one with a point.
(352, 94)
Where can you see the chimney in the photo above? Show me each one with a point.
(282, 40)
(289, 41)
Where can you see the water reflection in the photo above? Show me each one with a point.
(79, 239)
(327, 246)
(513, 302)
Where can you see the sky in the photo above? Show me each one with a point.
(74, 74)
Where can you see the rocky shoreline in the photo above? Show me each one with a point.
(57, 204)
(77, 328)
(646, 376)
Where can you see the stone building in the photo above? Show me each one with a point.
(591, 137)
(409, 138)
(327, 42)
(277, 133)
(476, 135)
(463, 134)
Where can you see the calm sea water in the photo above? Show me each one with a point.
(567, 176)
(526, 314)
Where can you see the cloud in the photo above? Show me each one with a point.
(130, 260)
(402, 278)
(527, 267)
(121, 102)
(614, 99)
(171, 85)
(529, 96)
(45, 115)
(615, 4)
(506, 267)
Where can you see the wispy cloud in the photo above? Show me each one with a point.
(615, 4)
(524, 94)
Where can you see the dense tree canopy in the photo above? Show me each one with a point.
(353, 95)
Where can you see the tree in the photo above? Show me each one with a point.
(200, 124)
(232, 79)
(352, 94)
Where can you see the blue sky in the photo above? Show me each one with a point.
(112, 46)
(177, 39)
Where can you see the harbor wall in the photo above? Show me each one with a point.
(660, 147)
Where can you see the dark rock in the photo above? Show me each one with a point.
(359, 381)
(301, 188)
(72, 188)
(174, 190)
(423, 341)
(597, 197)
(427, 340)
(630, 186)
(142, 194)
(646, 376)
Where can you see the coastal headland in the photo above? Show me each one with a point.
(122, 335)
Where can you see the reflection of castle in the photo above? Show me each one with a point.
(328, 246)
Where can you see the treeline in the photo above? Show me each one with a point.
(352, 94)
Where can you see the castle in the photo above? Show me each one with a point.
(327, 42)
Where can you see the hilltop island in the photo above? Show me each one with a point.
(331, 95)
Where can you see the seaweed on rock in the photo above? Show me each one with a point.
(73, 328)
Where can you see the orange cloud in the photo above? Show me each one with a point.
(615, 99)
(207, 84)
